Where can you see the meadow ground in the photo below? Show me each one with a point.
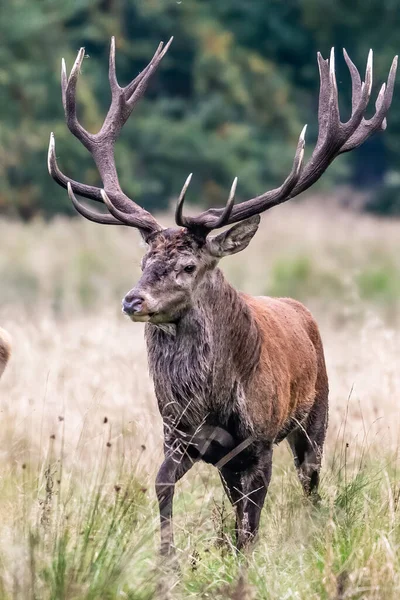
(81, 439)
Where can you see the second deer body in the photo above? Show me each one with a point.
(5, 350)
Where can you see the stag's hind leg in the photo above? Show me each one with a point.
(306, 443)
(307, 440)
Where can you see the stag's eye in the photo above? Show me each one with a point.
(189, 268)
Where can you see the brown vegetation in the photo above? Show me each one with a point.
(79, 373)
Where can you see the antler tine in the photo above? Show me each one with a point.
(91, 214)
(355, 81)
(379, 102)
(180, 220)
(358, 88)
(112, 74)
(228, 207)
(64, 83)
(135, 90)
(88, 191)
(334, 115)
(299, 155)
(334, 137)
(131, 219)
(324, 97)
(69, 94)
(360, 95)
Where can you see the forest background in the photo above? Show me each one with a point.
(233, 93)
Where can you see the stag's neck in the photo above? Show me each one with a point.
(211, 355)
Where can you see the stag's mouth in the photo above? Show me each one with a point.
(141, 317)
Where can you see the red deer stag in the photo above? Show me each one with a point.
(5, 350)
(233, 374)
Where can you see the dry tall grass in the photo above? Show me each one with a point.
(81, 438)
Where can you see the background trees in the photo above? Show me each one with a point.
(230, 98)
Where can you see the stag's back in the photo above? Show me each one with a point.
(5, 349)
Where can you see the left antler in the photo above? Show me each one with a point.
(101, 144)
(334, 138)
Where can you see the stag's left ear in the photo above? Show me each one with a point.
(235, 239)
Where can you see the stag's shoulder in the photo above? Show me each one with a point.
(284, 313)
(5, 349)
(304, 315)
(270, 305)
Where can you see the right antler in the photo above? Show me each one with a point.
(101, 144)
(334, 138)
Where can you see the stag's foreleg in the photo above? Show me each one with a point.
(174, 467)
(246, 491)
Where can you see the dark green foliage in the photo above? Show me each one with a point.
(229, 99)
(385, 200)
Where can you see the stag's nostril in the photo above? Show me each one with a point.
(132, 304)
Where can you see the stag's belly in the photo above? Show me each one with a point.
(219, 444)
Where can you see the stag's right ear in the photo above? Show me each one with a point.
(235, 239)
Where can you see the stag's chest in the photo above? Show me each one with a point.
(182, 371)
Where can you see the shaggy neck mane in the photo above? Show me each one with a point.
(213, 353)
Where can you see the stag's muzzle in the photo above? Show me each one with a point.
(132, 305)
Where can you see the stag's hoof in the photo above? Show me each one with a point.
(169, 561)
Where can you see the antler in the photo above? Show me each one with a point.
(334, 138)
(101, 144)
(222, 219)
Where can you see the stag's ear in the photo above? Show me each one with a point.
(235, 239)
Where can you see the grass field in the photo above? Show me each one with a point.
(81, 439)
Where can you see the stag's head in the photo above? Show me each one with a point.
(176, 270)
(179, 261)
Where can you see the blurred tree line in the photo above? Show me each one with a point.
(230, 97)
